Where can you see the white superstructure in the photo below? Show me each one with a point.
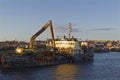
(70, 46)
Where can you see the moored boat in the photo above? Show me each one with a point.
(58, 51)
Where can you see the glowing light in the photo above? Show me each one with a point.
(84, 44)
(19, 50)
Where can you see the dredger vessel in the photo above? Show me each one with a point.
(57, 51)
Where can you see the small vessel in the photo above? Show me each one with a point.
(100, 48)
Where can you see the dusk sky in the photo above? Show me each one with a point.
(91, 19)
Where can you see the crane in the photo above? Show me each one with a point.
(48, 24)
(32, 39)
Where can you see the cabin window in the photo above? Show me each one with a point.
(72, 43)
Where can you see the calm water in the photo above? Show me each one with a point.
(106, 66)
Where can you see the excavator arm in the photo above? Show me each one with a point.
(48, 24)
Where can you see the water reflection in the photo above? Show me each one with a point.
(105, 66)
(66, 72)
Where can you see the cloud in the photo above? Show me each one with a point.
(63, 28)
(75, 30)
(60, 28)
(101, 29)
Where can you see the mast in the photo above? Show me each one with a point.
(69, 30)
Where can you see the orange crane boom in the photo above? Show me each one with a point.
(48, 24)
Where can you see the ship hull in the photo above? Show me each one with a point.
(29, 60)
(18, 61)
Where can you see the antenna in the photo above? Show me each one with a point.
(69, 30)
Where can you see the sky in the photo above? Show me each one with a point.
(90, 19)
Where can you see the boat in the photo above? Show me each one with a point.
(100, 48)
(58, 51)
